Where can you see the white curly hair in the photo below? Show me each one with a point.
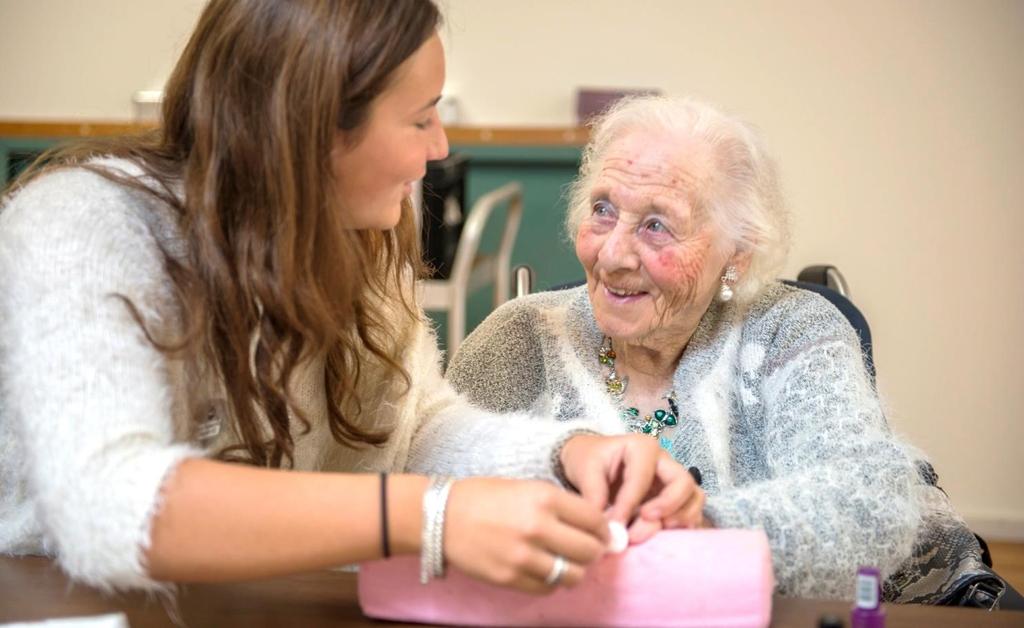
(743, 198)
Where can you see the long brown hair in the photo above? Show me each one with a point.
(273, 277)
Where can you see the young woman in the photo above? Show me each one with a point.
(208, 340)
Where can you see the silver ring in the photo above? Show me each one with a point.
(557, 571)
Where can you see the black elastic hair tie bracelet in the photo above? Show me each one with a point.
(384, 544)
(695, 472)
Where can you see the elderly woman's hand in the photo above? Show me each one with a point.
(635, 477)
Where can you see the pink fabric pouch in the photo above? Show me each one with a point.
(705, 578)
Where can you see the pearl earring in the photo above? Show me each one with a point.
(730, 276)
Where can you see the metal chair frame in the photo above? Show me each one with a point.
(471, 269)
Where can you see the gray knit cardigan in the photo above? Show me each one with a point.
(777, 412)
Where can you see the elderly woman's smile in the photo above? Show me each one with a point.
(652, 263)
(623, 295)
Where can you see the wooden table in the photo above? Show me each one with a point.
(34, 589)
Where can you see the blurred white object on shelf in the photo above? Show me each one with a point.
(146, 103)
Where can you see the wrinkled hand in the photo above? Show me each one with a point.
(635, 477)
(508, 532)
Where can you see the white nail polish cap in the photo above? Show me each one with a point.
(619, 537)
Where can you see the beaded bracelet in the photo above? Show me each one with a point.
(435, 499)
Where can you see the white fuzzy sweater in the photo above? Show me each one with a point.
(776, 411)
(93, 417)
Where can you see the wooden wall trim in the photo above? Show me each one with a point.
(482, 136)
(518, 136)
(58, 129)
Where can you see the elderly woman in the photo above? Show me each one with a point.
(682, 333)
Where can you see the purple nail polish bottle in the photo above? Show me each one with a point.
(867, 610)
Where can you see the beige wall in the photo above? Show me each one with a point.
(898, 126)
(85, 58)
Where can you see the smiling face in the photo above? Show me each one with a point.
(401, 134)
(653, 260)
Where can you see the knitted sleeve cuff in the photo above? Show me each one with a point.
(102, 540)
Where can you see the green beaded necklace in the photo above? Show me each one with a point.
(653, 424)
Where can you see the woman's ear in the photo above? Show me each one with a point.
(741, 261)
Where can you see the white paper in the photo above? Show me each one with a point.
(114, 620)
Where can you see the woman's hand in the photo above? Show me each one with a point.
(509, 532)
(635, 476)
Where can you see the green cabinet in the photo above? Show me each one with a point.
(545, 173)
(17, 153)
